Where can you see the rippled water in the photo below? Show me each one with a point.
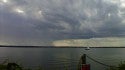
(62, 58)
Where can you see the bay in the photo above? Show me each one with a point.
(62, 58)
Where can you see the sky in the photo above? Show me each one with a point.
(42, 22)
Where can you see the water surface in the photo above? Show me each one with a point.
(62, 58)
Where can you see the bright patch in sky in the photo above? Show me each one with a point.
(5, 1)
(123, 5)
(109, 15)
(40, 12)
(19, 10)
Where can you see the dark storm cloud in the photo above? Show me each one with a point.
(85, 17)
(19, 30)
(45, 20)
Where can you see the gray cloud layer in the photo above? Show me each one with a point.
(43, 21)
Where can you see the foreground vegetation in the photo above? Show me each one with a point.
(121, 66)
(15, 66)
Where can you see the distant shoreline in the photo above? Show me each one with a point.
(12, 46)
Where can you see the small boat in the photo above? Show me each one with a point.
(88, 48)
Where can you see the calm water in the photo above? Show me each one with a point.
(62, 58)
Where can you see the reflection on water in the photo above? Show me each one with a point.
(62, 58)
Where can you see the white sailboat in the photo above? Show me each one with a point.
(88, 45)
(87, 48)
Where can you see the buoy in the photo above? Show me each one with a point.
(85, 67)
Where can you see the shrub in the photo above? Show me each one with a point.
(121, 66)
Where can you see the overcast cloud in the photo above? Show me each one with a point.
(40, 22)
